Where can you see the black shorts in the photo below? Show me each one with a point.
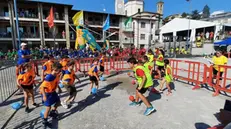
(215, 74)
(101, 68)
(160, 68)
(142, 90)
(71, 90)
(93, 79)
(27, 87)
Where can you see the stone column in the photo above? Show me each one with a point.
(12, 24)
(41, 25)
(67, 31)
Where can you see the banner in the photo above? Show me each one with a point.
(78, 19)
(90, 39)
(80, 41)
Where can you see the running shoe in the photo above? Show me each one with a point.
(64, 104)
(148, 111)
(134, 104)
(54, 113)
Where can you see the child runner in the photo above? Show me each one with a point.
(63, 62)
(46, 68)
(68, 81)
(101, 64)
(48, 91)
(160, 63)
(149, 66)
(144, 82)
(167, 77)
(25, 81)
(93, 74)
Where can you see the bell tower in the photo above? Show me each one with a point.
(160, 7)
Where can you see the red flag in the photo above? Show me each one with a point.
(50, 18)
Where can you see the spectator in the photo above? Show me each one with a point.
(24, 54)
(207, 35)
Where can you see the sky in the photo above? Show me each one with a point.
(170, 6)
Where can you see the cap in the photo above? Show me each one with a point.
(23, 44)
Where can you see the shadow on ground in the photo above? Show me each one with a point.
(201, 125)
(90, 100)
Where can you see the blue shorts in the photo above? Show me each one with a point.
(52, 98)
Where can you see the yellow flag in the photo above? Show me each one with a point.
(78, 18)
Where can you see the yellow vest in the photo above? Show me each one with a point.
(168, 77)
(160, 63)
(146, 66)
(150, 57)
(148, 82)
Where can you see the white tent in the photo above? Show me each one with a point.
(181, 24)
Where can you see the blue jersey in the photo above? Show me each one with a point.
(23, 53)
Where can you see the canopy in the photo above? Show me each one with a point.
(223, 42)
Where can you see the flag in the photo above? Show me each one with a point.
(50, 18)
(128, 22)
(80, 41)
(78, 19)
(106, 25)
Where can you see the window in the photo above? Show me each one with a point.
(90, 18)
(138, 10)
(152, 25)
(142, 24)
(151, 37)
(126, 12)
(142, 36)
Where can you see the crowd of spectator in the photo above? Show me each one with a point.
(39, 53)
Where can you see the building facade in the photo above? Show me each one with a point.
(222, 18)
(33, 28)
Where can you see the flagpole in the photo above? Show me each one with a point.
(188, 35)
(17, 27)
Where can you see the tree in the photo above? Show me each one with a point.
(184, 15)
(206, 11)
(195, 14)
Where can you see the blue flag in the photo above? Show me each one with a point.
(106, 25)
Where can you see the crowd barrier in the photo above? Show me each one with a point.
(193, 72)
(189, 71)
(218, 82)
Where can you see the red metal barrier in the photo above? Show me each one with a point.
(120, 63)
(84, 64)
(222, 83)
(195, 72)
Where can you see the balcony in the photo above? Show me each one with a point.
(4, 14)
(5, 36)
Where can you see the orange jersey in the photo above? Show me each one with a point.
(26, 78)
(47, 67)
(63, 62)
(93, 70)
(69, 77)
(101, 61)
(50, 83)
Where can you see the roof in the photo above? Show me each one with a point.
(39, 1)
(181, 24)
(76, 10)
(145, 12)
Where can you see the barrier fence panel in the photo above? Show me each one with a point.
(120, 63)
(189, 71)
(7, 79)
(220, 82)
